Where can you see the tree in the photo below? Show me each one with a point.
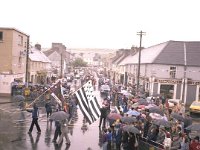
(79, 62)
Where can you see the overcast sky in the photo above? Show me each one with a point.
(103, 23)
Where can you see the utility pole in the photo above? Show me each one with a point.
(184, 75)
(139, 59)
(27, 62)
(61, 65)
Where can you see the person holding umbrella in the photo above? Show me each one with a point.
(64, 132)
(58, 117)
(57, 131)
(35, 115)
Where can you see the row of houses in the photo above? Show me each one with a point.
(171, 68)
(19, 61)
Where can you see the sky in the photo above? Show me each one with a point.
(103, 23)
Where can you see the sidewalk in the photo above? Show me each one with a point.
(4, 100)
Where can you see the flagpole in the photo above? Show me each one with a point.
(42, 94)
(49, 89)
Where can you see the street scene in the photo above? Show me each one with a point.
(99, 75)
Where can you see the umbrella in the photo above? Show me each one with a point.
(193, 127)
(177, 116)
(134, 100)
(126, 93)
(19, 98)
(162, 122)
(142, 102)
(156, 109)
(59, 116)
(135, 105)
(128, 119)
(149, 106)
(141, 106)
(155, 116)
(133, 113)
(114, 116)
(131, 128)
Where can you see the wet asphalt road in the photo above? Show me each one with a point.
(14, 125)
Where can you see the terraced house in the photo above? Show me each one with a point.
(172, 68)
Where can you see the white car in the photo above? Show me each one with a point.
(104, 89)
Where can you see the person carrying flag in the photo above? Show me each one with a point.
(35, 115)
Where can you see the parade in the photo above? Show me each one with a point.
(126, 121)
(99, 75)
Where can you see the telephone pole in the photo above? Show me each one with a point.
(139, 59)
(27, 63)
(61, 65)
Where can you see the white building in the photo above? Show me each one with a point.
(172, 68)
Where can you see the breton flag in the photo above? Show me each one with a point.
(56, 98)
(88, 103)
(56, 92)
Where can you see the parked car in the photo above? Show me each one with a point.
(195, 107)
(104, 89)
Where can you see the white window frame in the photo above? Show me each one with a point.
(172, 72)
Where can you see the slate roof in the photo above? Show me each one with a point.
(169, 53)
(37, 55)
(48, 52)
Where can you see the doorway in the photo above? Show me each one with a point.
(167, 90)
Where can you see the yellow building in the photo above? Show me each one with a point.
(13, 46)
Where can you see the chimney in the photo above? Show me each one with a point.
(38, 46)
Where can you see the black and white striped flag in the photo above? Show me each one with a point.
(88, 102)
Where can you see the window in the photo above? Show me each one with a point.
(20, 40)
(25, 44)
(172, 72)
(1, 36)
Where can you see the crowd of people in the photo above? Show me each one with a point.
(147, 119)
(128, 119)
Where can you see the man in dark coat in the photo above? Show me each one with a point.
(35, 115)
(103, 116)
(57, 131)
(48, 109)
(118, 136)
(147, 126)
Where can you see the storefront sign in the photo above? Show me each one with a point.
(170, 81)
(193, 83)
